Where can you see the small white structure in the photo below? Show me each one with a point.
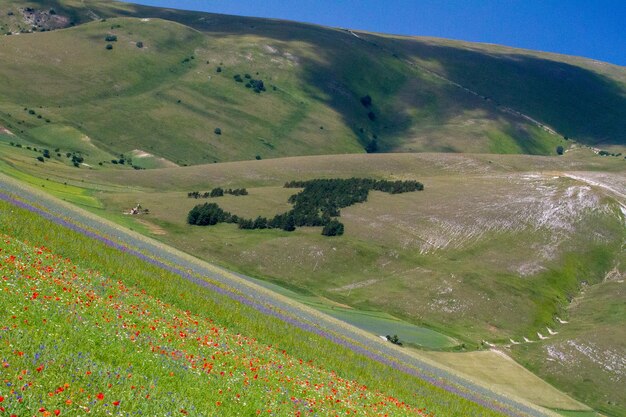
(137, 210)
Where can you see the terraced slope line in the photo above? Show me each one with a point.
(266, 302)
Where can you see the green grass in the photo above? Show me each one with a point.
(568, 413)
(469, 259)
(378, 323)
(102, 280)
(471, 292)
(399, 274)
(68, 139)
(154, 98)
(497, 370)
(418, 289)
(589, 371)
(383, 324)
(79, 196)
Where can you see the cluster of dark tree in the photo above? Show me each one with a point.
(34, 113)
(77, 160)
(351, 188)
(606, 153)
(372, 145)
(256, 85)
(366, 101)
(44, 152)
(394, 339)
(209, 214)
(316, 205)
(110, 38)
(218, 192)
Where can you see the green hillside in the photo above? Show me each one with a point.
(508, 267)
(496, 249)
(111, 334)
(327, 91)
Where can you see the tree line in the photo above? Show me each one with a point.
(317, 204)
(217, 192)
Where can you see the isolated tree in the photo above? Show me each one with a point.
(560, 150)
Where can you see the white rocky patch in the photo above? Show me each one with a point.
(611, 361)
(538, 203)
(558, 355)
(448, 305)
(356, 285)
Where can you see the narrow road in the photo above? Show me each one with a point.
(239, 288)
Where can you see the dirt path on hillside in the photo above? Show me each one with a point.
(5, 131)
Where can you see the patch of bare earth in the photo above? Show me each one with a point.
(164, 163)
(44, 19)
(153, 228)
(5, 131)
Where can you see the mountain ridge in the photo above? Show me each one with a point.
(426, 94)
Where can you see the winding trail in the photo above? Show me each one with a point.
(239, 288)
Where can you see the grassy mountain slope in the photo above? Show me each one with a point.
(520, 236)
(427, 95)
(90, 329)
(497, 247)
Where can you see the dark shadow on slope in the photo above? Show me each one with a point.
(577, 102)
(345, 69)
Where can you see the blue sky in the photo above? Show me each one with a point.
(591, 28)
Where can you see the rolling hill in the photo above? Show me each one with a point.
(326, 90)
(512, 253)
